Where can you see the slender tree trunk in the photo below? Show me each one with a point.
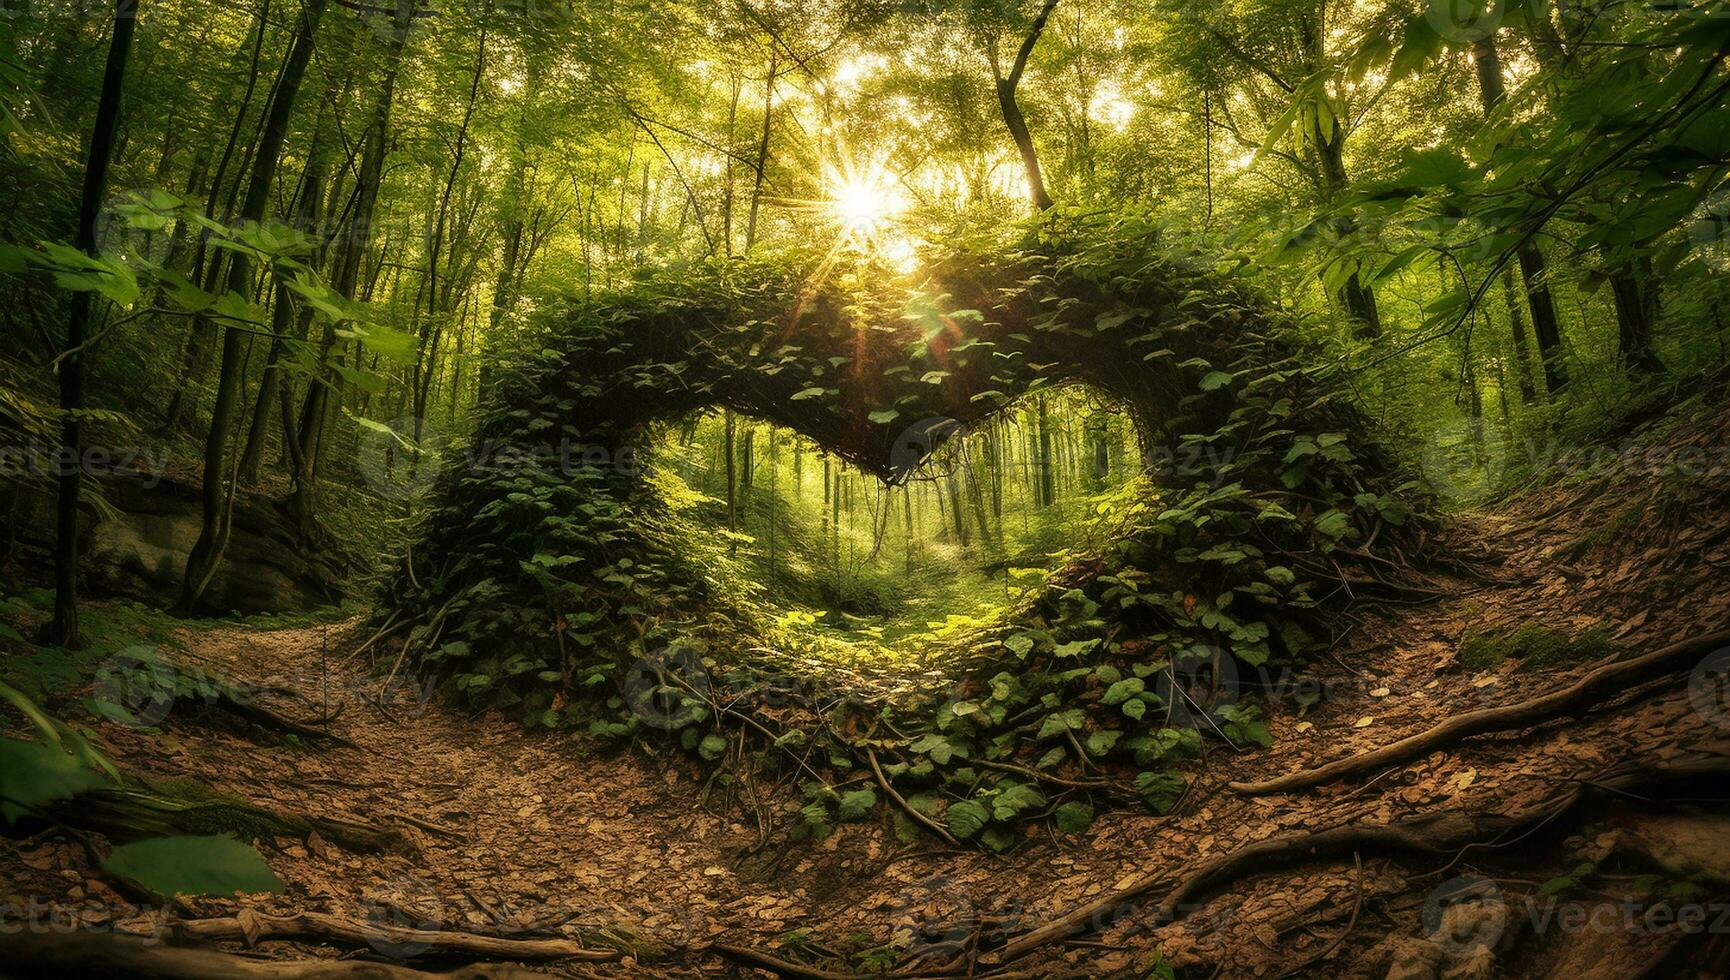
(1011, 109)
(281, 320)
(729, 427)
(200, 332)
(345, 276)
(1634, 312)
(1522, 346)
(1047, 480)
(1491, 92)
(63, 629)
(762, 149)
(206, 554)
(431, 329)
(1358, 298)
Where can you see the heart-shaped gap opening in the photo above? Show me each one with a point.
(970, 526)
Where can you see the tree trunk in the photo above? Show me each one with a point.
(345, 275)
(281, 319)
(63, 630)
(1522, 347)
(200, 332)
(1634, 311)
(1358, 298)
(1491, 92)
(1012, 117)
(762, 148)
(213, 533)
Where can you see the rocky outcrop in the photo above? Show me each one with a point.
(136, 548)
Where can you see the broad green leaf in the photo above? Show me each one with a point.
(193, 866)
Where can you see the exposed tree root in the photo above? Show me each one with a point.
(251, 711)
(1604, 682)
(127, 813)
(252, 927)
(31, 954)
(779, 967)
(1435, 834)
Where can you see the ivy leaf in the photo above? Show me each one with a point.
(1074, 818)
(1015, 798)
(966, 818)
(1059, 722)
(1101, 742)
(712, 746)
(1160, 790)
(855, 804)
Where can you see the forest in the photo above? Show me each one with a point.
(865, 488)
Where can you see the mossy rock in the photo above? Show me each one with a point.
(1534, 645)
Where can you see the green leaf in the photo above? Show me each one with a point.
(1074, 818)
(32, 774)
(1161, 790)
(1101, 742)
(712, 746)
(1074, 648)
(855, 804)
(1123, 690)
(1014, 798)
(966, 818)
(1059, 722)
(193, 866)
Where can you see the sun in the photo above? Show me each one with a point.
(863, 201)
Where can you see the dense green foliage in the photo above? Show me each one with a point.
(551, 579)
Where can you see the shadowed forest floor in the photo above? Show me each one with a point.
(512, 832)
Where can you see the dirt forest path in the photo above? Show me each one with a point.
(518, 832)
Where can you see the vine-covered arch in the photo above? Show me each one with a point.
(543, 570)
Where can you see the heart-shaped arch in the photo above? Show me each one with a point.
(544, 540)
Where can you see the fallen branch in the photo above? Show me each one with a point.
(38, 953)
(127, 813)
(246, 708)
(1610, 679)
(251, 927)
(780, 967)
(929, 823)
